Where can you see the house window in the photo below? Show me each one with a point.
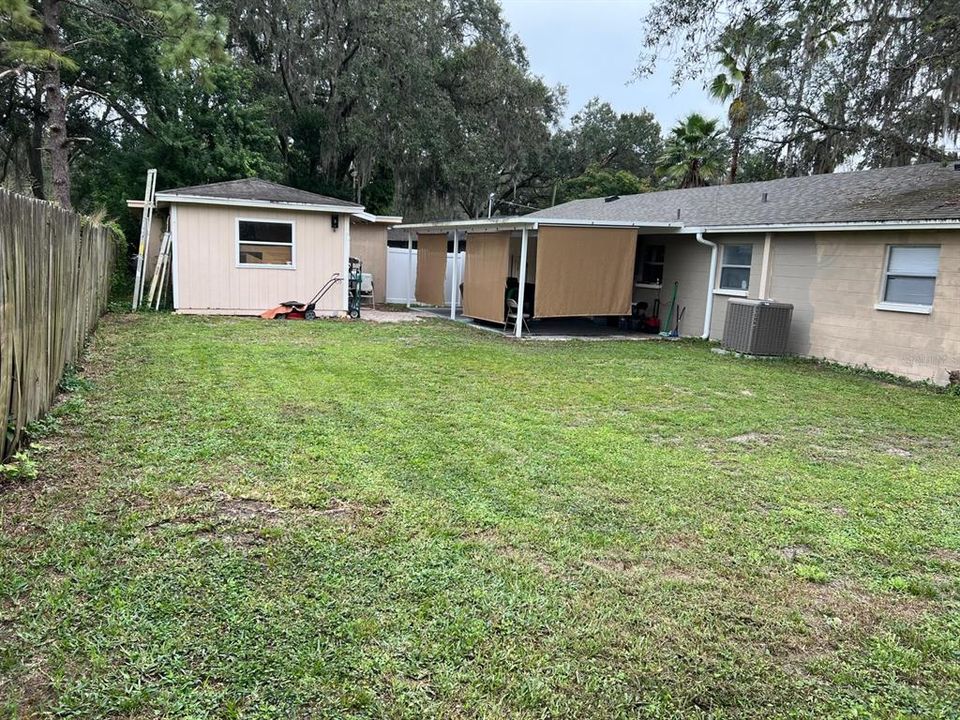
(649, 267)
(735, 267)
(911, 275)
(265, 243)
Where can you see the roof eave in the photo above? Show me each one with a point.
(238, 202)
(371, 218)
(520, 223)
(829, 226)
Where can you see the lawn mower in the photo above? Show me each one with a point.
(296, 310)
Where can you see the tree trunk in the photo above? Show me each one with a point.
(735, 159)
(57, 141)
(38, 120)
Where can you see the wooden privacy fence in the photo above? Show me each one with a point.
(55, 275)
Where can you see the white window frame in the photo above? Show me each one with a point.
(916, 308)
(266, 266)
(735, 292)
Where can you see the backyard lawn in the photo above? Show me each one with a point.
(237, 518)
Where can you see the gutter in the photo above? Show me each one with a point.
(532, 223)
(834, 227)
(708, 313)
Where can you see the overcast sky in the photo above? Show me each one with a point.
(591, 47)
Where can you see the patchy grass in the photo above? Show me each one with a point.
(245, 519)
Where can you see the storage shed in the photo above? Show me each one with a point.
(241, 246)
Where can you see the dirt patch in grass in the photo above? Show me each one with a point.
(618, 564)
(793, 553)
(753, 438)
(829, 606)
(491, 539)
(212, 514)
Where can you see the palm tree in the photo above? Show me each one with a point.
(694, 154)
(740, 54)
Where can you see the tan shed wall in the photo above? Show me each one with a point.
(584, 271)
(206, 261)
(368, 241)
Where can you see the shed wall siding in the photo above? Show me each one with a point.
(207, 272)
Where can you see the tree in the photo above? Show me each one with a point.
(432, 98)
(40, 60)
(196, 128)
(694, 154)
(603, 182)
(873, 83)
(625, 141)
(741, 55)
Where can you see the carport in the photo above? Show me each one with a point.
(551, 268)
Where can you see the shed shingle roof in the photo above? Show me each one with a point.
(914, 192)
(257, 190)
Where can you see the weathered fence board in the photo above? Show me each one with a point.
(54, 284)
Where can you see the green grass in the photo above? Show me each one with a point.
(246, 519)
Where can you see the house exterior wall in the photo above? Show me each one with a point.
(209, 280)
(722, 297)
(368, 241)
(684, 261)
(834, 281)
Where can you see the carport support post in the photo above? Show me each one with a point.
(455, 280)
(518, 327)
(409, 268)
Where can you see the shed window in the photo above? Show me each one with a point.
(911, 275)
(735, 268)
(262, 243)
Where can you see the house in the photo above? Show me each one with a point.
(870, 261)
(242, 246)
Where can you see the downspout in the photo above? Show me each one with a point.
(708, 315)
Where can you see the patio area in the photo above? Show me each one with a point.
(576, 328)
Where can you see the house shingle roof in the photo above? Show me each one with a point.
(914, 192)
(258, 190)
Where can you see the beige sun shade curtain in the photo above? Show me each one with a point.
(485, 275)
(431, 268)
(584, 271)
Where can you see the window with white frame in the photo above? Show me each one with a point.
(735, 267)
(911, 275)
(265, 243)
